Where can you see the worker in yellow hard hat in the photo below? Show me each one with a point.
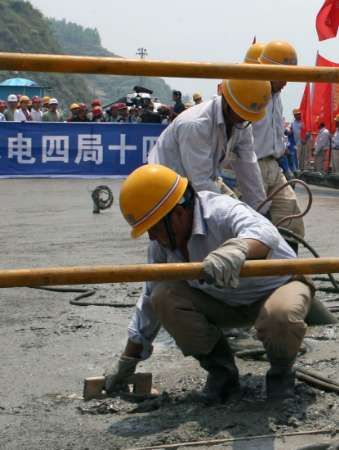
(202, 139)
(270, 143)
(197, 98)
(22, 114)
(335, 147)
(253, 53)
(221, 232)
(45, 103)
(75, 112)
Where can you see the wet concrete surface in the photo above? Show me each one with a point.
(49, 346)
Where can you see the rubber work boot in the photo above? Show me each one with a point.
(223, 375)
(280, 382)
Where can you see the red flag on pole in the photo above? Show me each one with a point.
(306, 113)
(324, 103)
(327, 21)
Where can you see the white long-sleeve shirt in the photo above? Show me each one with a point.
(268, 133)
(19, 116)
(196, 146)
(216, 219)
(323, 140)
(36, 115)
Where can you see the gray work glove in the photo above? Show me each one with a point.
(222, 266)
(120, 371)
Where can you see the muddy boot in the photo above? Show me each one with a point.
(280, 382)
(223, 375)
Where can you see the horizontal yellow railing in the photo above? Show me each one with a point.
(178, 69)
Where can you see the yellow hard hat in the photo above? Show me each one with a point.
(196, 96)
(337, 118)
(279, 52)
(148, 194)
(247, 98)
(74, 106)
(45, 100)
(24, 98)
(253, 53)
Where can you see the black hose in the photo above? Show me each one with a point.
(102, 197)
(84, 293)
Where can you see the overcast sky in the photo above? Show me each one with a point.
(212, 30)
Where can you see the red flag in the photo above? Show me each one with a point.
(324, 103)
(327, 21)
(305, 109)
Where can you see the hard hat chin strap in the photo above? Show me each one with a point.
(170, 233)
(187, 201)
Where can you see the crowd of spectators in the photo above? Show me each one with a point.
(46, 109)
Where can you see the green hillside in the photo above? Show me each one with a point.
(24, 29)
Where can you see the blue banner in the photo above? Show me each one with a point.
(74, 149)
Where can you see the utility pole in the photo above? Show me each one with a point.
(142, 53)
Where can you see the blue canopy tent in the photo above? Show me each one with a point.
(20, 86)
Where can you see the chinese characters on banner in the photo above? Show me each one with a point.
(56, 149)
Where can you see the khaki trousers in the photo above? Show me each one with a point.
(194, 319)
(285, 202)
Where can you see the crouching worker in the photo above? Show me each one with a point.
(222, 232)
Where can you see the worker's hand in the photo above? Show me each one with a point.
(222, 266)
(120, 371)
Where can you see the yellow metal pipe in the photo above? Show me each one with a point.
(156, 272)
(180, 69)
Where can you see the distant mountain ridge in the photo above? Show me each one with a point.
(77, 40)
(24, 29)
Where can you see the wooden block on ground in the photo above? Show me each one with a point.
(141, 385)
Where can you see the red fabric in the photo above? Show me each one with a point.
(325, 102)
(306, 112)
(327, 21)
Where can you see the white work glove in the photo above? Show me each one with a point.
(222, 266)
(120, 371)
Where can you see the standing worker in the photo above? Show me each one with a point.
(184, 225)
(270, 143)
(204, 138)
(297, 155)
(335, 147)
(12, 104)
(322, 149)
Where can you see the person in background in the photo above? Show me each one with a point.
(335, 147)
(122, 112)
(3, 106)
(12, 103)
(113, 114)
(165, 114)
(97, 114)
(148, 115)
(297, 154)
(45, 103)
(36, 111)
(53, 114)
(23, 114)
(322, 149)
(178, 106)
(74, 110)
(83, 113)
(197, 98)
(134, 114)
